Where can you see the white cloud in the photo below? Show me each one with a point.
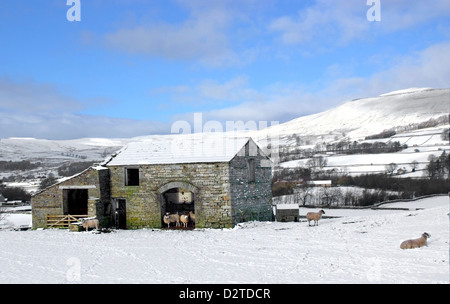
(324, 22)
(29, 96)
(338, 22)
(428, 68)
(202, 37)
(72, 126)
(234, 89)
(41, 110)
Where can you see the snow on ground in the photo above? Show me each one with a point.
(360, 247)
(375, 163)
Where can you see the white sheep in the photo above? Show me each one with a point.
(184, 219)
(171, 218)
(90, 223)
(415, 243)
(314, 216)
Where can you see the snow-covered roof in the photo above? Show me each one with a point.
(287, 206)
(320, 182)
(179, 149)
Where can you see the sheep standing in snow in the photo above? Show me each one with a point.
(171, 218)
(184, 219)
(415, 243)
(90, 223)
(314, 216)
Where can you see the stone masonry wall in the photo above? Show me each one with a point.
(211, 198)
(50, 201)
(251, 200)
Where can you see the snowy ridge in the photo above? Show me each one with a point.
(353, 120)
(362, 117)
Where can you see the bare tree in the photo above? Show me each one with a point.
(414, 165)
(350, 198)
(2, 212)
(330, 195)
(317, 162)
(303, 192)
(390, 168)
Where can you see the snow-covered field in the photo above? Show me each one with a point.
(362, 246)
(421, 145)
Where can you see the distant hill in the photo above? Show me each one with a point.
(363, 117)
(399, 111)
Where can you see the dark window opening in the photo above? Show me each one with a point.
(251, 170)
(76, 202)
(132, 177)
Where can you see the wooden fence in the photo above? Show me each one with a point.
(62, 221)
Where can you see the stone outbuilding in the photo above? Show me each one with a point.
(287, 213)
(224, 181)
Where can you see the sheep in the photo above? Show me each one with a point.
(90, 223)
(314, 216)
(192, 216)
(184, 219)
(415, 243)
(171, 218)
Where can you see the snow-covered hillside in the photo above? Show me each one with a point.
(353, 120)
(421, 144)
(360, 246)
(368, 116)
(16, 149)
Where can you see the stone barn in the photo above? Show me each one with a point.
(224, 181)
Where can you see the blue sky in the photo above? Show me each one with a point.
(133, 67)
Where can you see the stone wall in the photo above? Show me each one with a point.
(51, 200)
(251, 200)
(208, 182)
(287, 215)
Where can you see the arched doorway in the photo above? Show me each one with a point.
(179, 200)
(177, 197)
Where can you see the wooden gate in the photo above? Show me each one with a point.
(62, 221)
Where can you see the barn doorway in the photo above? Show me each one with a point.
(75, 201)
(178, 197)
(180, 201)
(119, 214)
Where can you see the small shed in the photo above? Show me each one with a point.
(287, 212)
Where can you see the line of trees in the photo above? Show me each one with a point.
(73, 168)
(345, 147)
(341, 147)
(20, 165)
(363, 190)
(14, 193)
(438, 166)
(378, 187)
